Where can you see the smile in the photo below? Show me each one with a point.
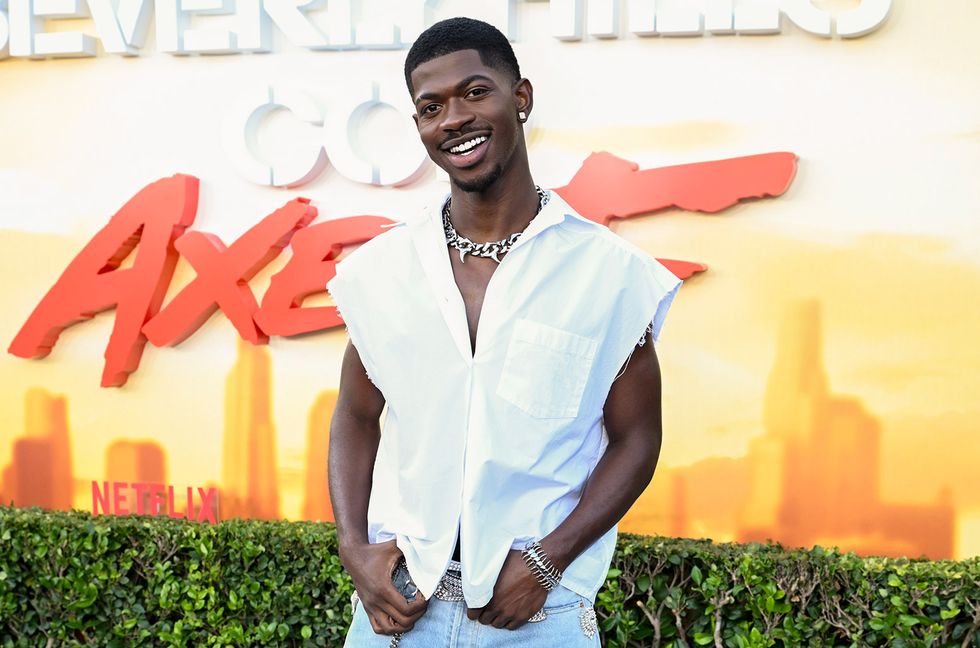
(469, 153)
(467, 147)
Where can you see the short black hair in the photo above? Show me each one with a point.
(455, 34)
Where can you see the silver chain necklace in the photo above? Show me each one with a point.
(490, 249)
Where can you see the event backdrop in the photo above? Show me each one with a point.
(821, 365)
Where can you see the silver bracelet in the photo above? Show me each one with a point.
(545, 572)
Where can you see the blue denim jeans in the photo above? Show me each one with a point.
(445, 625)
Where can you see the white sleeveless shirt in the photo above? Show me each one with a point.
(498, 444)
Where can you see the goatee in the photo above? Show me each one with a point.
(481, 184)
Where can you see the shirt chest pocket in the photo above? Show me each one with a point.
(546, 370)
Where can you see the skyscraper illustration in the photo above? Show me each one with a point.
(316, 504)
(814, 473)
(138, 462)
(812, 477)
(248, 484)
(40, 473)
(795, 397)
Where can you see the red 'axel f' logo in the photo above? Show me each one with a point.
(154, 223)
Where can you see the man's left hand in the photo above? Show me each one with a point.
(516, 596)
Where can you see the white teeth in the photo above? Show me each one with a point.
(466, 146)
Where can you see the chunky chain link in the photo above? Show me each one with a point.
(490, 249)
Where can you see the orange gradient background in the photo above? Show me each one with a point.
(820, 379)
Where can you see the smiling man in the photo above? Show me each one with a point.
(511, 341)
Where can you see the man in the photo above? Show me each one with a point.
(510, 340)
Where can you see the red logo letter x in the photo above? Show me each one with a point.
(223, 275)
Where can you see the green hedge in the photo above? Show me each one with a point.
(68, 579)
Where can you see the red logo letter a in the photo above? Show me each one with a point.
(91, 283)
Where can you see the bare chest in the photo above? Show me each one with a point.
(472, 278)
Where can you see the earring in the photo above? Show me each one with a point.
(522, 116)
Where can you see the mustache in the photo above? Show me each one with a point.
(462, 134)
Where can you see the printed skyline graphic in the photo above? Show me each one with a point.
(811, 478)
(316, 504)
(41, 471)
(248, 470)
(41, 474)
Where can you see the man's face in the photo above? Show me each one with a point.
(466, 114)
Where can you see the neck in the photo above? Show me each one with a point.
(505, 207)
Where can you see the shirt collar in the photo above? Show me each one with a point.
(553, 213)
(429, 240)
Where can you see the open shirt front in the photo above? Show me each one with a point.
(496, 444)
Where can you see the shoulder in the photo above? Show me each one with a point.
(397, 243)
(378, 251)
(610, 252)
(597, 239)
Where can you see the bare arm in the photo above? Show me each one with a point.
(632, 420)
(354, 436)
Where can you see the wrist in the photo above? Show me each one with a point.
(559, 554)
(349, 548)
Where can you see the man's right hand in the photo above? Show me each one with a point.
(354, 436)
(371, 566)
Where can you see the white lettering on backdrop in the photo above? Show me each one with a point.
(335, 134)
(342, 130)
(121, 25)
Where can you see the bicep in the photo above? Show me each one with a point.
(633, 404)
(358, 397)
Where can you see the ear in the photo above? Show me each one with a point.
(524, 96)
(415, 118)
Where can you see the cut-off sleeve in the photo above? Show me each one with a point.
(639, 343)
